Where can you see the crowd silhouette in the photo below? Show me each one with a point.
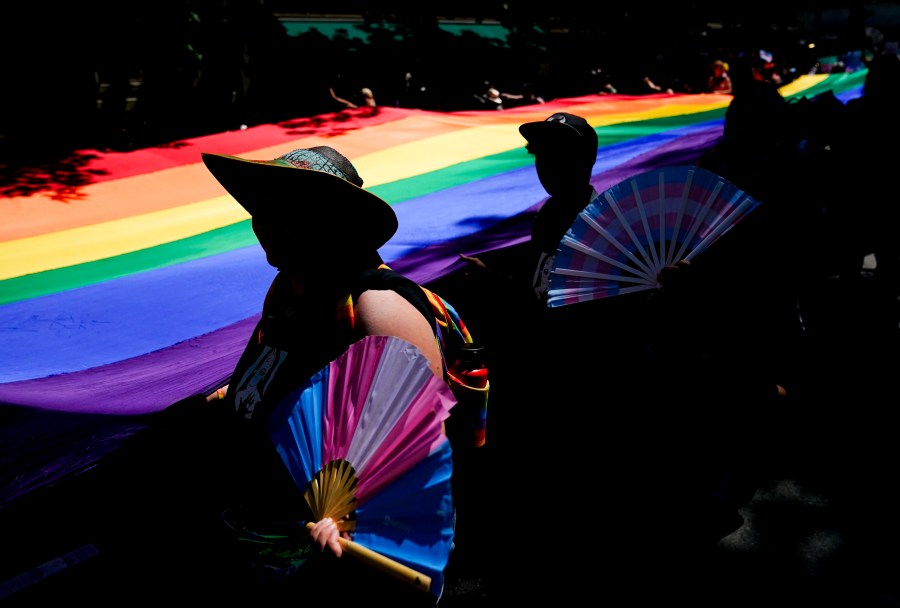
(80, 85)
(694, 411)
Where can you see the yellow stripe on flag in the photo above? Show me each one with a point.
(107, 239)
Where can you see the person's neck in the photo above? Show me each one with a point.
(327, 281)
(573, 192)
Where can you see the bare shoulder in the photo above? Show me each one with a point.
(387, 313)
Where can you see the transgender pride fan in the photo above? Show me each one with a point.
(619, 243)
(364, 438)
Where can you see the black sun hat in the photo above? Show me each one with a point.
(561, 127)
(316, 188)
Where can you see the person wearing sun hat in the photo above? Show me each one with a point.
(322, 230)
(307, 202)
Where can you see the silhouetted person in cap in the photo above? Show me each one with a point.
(591, 419)
(568, 378)
(564, 147)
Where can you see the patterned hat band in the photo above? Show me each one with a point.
(322, 158)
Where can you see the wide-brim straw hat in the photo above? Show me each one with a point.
(316, 192)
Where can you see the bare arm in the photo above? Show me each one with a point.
(387, 313)
(346, 102)
(384, 313)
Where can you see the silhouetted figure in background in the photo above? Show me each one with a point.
(345, 103)
(491, 99)
(871, 135)
(530, 95)
(564, 147)
(719, 82)
(368, 98)
(592, 410)
(760, 152)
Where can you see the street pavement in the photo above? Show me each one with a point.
(815, 526)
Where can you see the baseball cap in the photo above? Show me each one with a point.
(561, 127)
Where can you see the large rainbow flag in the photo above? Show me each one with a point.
(138, 288)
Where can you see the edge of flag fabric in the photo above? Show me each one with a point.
(139, 288)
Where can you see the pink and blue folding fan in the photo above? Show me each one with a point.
(364, 438)
(619, 243)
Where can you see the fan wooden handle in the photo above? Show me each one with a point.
(373, 558)
(385, 564)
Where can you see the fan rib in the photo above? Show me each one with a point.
(581, 247)
(627, 227)
(654, 264)
(661, 210)
(685, 190)
(561, 297)
(698, 220)
(342, 497)
(586, 274)
(724, 224)
(615, 243)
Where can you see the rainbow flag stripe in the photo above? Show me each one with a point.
(138, 285)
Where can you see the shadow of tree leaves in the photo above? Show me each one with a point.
(61, 177)
(329, 125)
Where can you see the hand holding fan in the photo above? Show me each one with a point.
(364, 438)
(622, 240)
